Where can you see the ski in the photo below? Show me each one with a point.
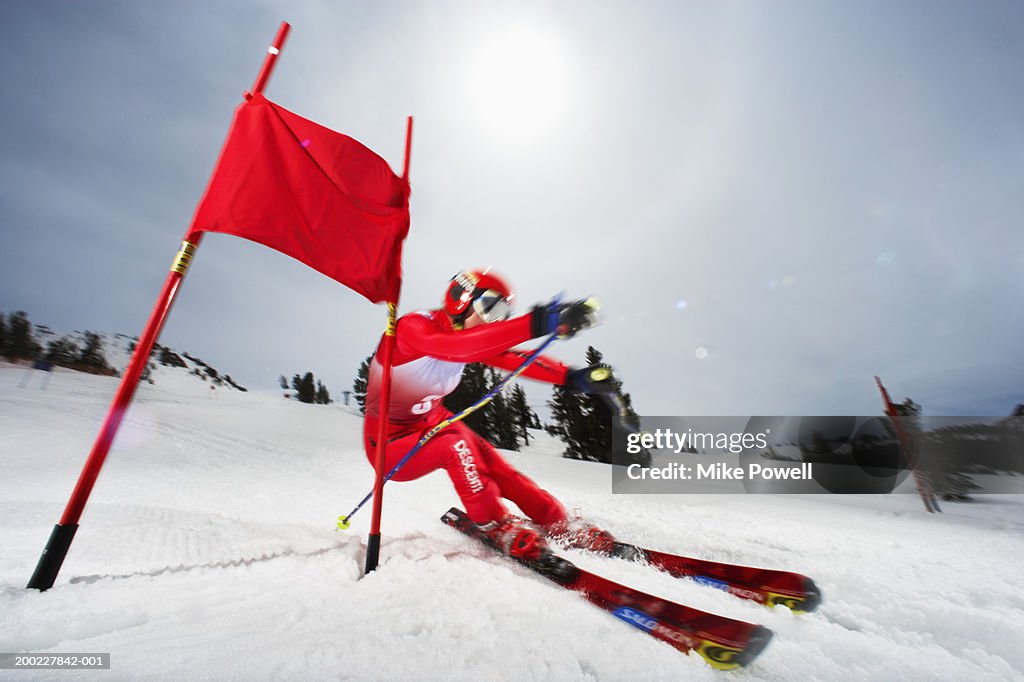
(764, 586)
(725, 643)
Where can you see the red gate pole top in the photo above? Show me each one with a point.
(268, 64)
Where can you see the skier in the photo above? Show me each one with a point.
(475, 324)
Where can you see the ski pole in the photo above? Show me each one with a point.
(344, 521)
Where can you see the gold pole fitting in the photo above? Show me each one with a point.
(392, 319)
(184, 258)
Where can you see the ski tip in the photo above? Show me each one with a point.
(722, 657)
(759, 639)
(808, 599)
(813, 598)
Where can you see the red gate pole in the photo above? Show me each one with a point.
(64, 532)
(922, 480)
(387, 352)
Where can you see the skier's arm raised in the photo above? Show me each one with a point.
(418, 335)
(421, 335)
(544, 368)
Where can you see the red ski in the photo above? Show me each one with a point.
(725, 643)
(765, 586)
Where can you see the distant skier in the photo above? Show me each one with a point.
(431, 350)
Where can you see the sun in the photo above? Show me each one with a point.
(517, 82)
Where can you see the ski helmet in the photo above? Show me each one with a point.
(479, 291)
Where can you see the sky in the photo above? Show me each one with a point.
(773, 201)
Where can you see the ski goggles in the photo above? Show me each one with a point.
(491, 306)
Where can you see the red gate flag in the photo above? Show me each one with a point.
(316, 195)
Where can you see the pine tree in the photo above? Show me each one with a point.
(584, 423)
(63, 352)
(323, 397)
(3, 335)
(305, 387)
(92, 356)
(523, 417)
(504, 431)
(238, 387)
(360, 383)
(308, 389)
(567, 421)
(472, 387)
(214, 376)
(169, 358)
(21, 344)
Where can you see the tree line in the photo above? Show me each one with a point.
(18, 341)
(308, 389)
(950, 455)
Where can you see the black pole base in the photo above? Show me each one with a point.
(53, 557)
(372, 552)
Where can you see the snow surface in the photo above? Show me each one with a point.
(208, 551)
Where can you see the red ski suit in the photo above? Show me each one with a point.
(428, 362)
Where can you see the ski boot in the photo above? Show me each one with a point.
(515, 537)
